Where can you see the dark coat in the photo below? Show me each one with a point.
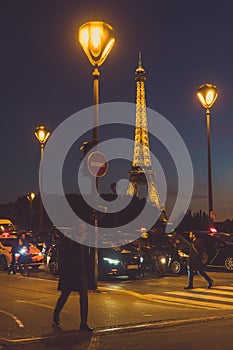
(196, 250)
(72, 265)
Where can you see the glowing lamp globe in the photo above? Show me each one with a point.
(97, 40)
(207, 94)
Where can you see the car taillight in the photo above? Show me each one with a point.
(213, 230)
(5, 234)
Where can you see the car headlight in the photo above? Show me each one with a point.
(163, 260)
(112, 261)
(40, 254)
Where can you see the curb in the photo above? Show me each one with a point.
(100, 332)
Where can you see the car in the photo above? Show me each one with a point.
(7, 242)
(115, 261)
(7, 226)
(174, 247)
(219, 247)
(118, 261)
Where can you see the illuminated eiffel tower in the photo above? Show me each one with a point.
(141, 173)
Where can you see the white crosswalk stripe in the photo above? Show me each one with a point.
(219, 297)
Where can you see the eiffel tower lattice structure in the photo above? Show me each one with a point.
(141, 173)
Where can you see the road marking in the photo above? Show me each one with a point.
(33, 303)
(224, 287)
(42, 305)
(16, 319)
(206, 297)
(182, 301)
(94, 344)
(214, 290)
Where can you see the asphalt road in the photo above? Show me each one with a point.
(125, 314)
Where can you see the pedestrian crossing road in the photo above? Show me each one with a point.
(218, 297)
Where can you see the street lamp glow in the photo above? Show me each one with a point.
(42, 134)
(207, 94)
(96, 39)
(31, 196)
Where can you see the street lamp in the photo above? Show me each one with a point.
(207, 94)
(42, 134)
(97, 40)
(30, 197)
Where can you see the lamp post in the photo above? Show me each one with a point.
(42, 134)
(97, 40)
(207, 94)
(30, 197)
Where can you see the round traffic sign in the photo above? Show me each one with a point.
(97, 164)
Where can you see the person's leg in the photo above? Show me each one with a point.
(202, 273)
(60, 303)
(83, 292)
(190, 277)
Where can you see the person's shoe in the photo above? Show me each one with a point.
(56, 321)
(188, 287)
(210, 284)
(85, 328)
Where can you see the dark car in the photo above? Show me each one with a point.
(118, 261)
(219, 247)
(174, 247)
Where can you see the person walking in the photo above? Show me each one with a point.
(195, 264)
(73, 265)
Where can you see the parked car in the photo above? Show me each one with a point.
(219, 247)
(7, 242)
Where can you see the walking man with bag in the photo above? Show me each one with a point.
(195, 263)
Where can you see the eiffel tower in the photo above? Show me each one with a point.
(141, 173)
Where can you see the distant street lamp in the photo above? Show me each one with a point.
(42, 134)
(207, 94)
(30, 197)
(97, 40)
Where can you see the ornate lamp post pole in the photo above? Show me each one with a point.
(30, 197)
(96, 39)
(207, 94)
(42, 134)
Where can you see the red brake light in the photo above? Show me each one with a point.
(5, 234)
(213, 230)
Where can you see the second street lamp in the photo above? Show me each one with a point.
(30, 197)
(42, 134)
(97, 40)
(207, 94)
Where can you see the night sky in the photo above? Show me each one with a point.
(45, 77)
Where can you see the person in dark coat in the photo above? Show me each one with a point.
(73, 275)
(196, 250)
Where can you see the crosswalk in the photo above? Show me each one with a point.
(218, 297)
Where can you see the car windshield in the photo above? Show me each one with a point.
(7, 227)
(177, 241)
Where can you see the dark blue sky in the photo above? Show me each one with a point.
(45, 77)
